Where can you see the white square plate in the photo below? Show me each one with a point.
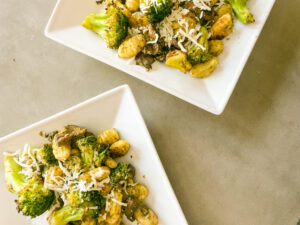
(211, 94)
(116, 108)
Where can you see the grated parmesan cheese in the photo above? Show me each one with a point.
(118, 202)
(203, 4)
(155, 40)
(188, 36)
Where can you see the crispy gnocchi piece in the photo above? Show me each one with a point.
(98, 174)
(138, 19)
(61, 142)
(178, 60)
(145, 216)
(111, 163)
(119, 148)
(123, 8)
(215, 47)
(224, 9)
(61, 151)
(222, 27)
(54, 177)
(132, 46)
(120, 6)
(132, 5)
(204, 69)
(108, 137)
(114, 215)
(139, 192)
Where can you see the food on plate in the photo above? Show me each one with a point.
(184, 34)
(75, 179)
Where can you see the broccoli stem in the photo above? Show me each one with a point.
(14, 179)
(96, 22)
(241, 11)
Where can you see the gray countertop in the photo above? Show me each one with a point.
(240, 168)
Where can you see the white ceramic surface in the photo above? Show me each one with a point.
(116, 108)
(211, 94)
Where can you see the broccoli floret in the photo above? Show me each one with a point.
(111, 25)
(102, 155)
(197, 54)
(85, 199)
(87, 146)
(65, 215)
(33, 198)
(73, 163)
(45, 155)
(157, 10)
(91, 201)
(241, 10)
(121, 172)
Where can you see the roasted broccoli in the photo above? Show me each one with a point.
(101, 155)
(33, 198)
(45, 155)
(85, 199)
(241, 10)
(65, 215)
(88, 146)
(197, 54)
(121, 172)
(111, 25)
(91, 201)
(73, 163)
(156, 10)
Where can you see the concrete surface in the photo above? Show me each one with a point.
(240, 168)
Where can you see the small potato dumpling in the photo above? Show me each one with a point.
(204, 69)
(119, 148)
(226, 8)
(178, 60)
(145, 216)
(138, 19)
(114, 215)
(100, 173)
(215, 47)
(132, 46)
(139, 192)
(123, 8)
(111, 163)
(132, 5)
(61, 151)
(108, 137)
(87, 177)
(54, 177)
(222, 27)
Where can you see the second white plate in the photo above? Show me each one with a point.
(211, 94)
